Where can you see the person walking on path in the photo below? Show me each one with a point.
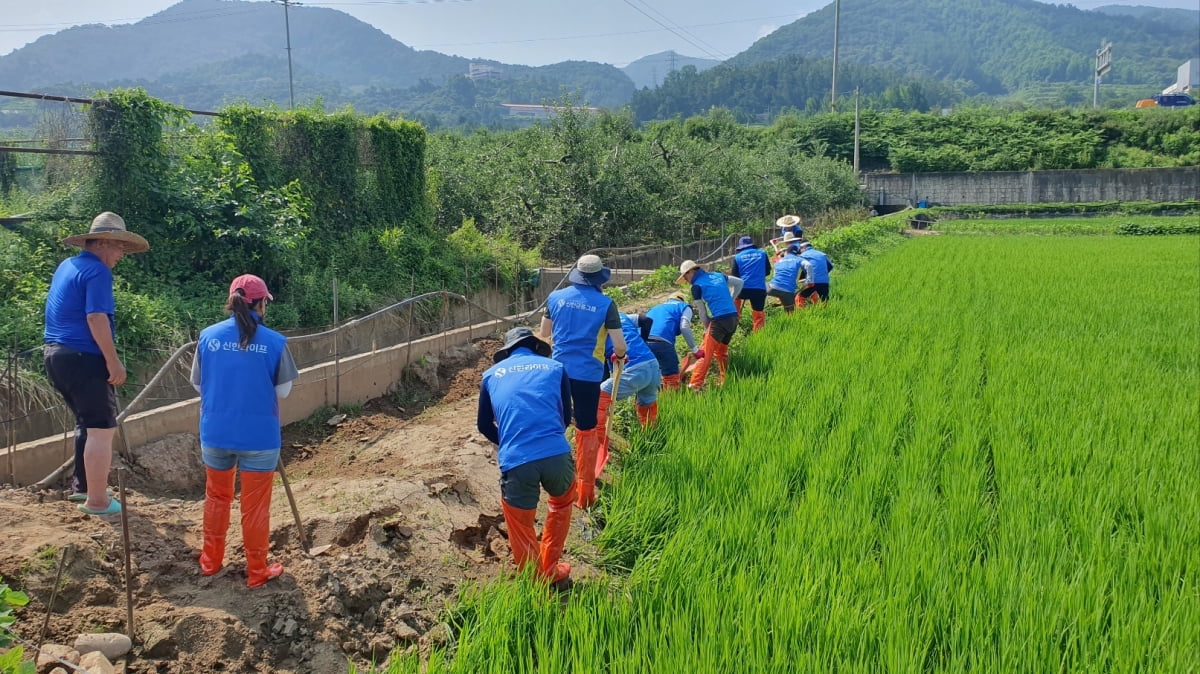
(525, 407)
(81, 355)
(577, 320)
(241, 369)
(752, 265)
(817, 267)
(787, 273)
(640, 376)
(715, 291)
(669, 320)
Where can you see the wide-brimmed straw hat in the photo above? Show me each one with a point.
(744, 243)
(678, 296)
(589, 271)
(684, 268)
(790, 238)
(110, 227)
(788, 221)
(521, 336)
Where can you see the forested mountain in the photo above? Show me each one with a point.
(760, 91)
(650, 71)
(201, 53)
(991, 46)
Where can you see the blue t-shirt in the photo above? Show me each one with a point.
(636, 349)
(751, 265)
(521, 408)
(787, 271)
(713, 289)
(238, 406)
(81, 285)
(668, 319)
(582, 316)
(821, 266)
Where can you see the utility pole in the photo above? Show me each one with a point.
(856, 131)
(837, 18)
(287, 25)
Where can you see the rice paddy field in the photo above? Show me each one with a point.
(983, 456)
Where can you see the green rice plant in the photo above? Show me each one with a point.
(1106, 224)
(980, 457)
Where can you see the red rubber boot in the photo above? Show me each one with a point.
(759, 320)
(521, 536)
(554, 536)
(700, 373)
(587, 443)
(256, 526)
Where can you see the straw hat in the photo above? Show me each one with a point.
(110, 227)
(590, 271)
(678, 296)
(684, 268)
(791, 238)
(788, 221)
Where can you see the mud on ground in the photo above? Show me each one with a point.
(405, 490)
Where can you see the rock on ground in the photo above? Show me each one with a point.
(95, 663)
(111, 644)
(50, 654)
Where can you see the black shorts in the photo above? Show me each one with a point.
(585, 400)
(756, 296)
(788, 300)
(82, 380)
(664, 351)
(821, 290)
(722, 329)
(521, 487)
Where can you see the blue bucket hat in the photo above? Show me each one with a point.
(744, 243)
(589, 271)
(521, 336)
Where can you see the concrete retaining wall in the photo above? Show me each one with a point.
(1032, 187)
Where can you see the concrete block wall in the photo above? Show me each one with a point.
(1032, 187)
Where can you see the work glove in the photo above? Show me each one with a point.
(699, 354)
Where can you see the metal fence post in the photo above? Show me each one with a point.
(337, 361)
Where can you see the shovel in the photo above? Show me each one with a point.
(602, 453)
(287, 487)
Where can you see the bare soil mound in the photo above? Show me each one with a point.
(405, 491)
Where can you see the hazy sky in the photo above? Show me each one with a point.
(532, 32)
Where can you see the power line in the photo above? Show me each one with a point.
(676, 33)
(684, 30)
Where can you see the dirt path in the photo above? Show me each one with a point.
(404, 489)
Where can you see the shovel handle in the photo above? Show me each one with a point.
(287, 487)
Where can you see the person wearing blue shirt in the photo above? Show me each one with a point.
(751, 264)
(715, 292)
(81, 355)
(524, 408)
(787, 273)
(241, 369)
(669, 320)
(790, 230)
(578, 319)
(818, 266)
(640, 376)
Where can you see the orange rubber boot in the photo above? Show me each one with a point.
(800, 301)
(256, 526)
(587, 443)
(701, 372)
(647, 414)
(521, 536)
(554, 535)
(760, 320)
(606, 402)
(737, 305)
(670, 382)
(218, 496)
(722, 357)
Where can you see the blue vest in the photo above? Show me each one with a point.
(787, 271)
(238, 407)
(578, 313)
(752, 268)
(820, 265)
(81, 285)
(527, 403)
(636, 349)
(668, 319)
(714, 290)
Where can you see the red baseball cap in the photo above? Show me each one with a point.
(252, 287)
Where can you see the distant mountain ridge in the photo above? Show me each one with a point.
(189, 37)
(976, 41)
(651, 71)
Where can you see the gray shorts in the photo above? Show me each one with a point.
(521, 487)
